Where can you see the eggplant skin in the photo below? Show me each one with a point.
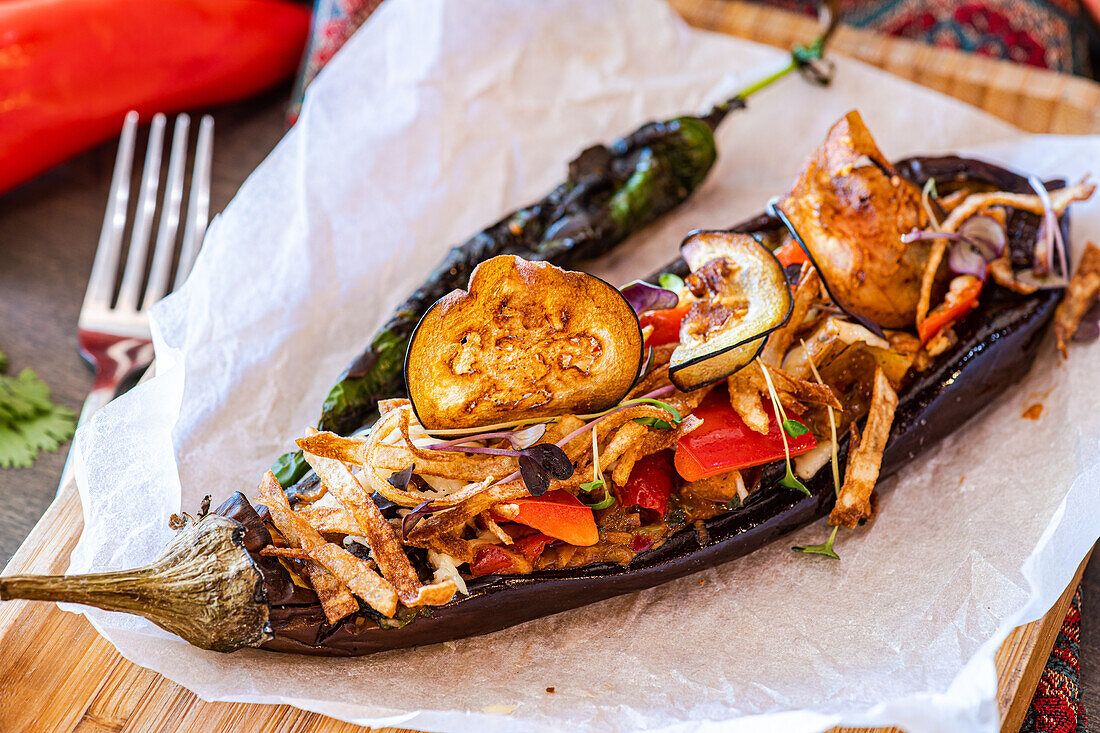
(998, 343)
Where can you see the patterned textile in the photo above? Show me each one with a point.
(1051, 34)
(1057, 706)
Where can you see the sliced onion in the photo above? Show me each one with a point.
(528, 436)
(964, 259)
(987, 234)
(644, 297)
(1049, 239)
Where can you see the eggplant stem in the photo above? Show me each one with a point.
(204, 587)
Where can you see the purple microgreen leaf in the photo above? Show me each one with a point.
(400, 479)
(644, 297)
(540, 463)
(424, 509)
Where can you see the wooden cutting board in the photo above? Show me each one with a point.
(58, 675)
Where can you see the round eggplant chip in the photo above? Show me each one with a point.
(527, 340)
(742, 295)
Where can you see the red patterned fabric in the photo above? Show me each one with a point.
(1051, 34)
(1056, 706)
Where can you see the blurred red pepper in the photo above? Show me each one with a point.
(666, 324)
(961, 298)
(791, 253)
(493, 559)
(71, 69)
(650, 484)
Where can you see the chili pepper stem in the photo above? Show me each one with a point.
(801, 57)
(204, 588)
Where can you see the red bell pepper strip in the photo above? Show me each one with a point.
(960, 300)
(791, 253)
(493, 559)
(666, 324)
(71, 69)
(532, 545)
(650, 484)
(724, 443)
(558, 514)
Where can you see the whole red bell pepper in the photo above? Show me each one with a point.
(71, 69)
(724, 443)
(650, 484)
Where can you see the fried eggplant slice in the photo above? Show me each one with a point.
(742, 296)
(527, 340)
(866, 267)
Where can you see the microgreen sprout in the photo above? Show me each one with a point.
(671, 281)
(789, 480)
(832, 422)
(825, 548)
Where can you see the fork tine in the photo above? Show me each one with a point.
(198, 205)
(101, 283)
(169, 216)
(143, 218)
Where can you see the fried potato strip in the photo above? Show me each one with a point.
(780, 340)
(385, 545)
(336, 599)
(865, 459)
(1081, 295)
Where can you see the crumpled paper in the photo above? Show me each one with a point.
(436, 119)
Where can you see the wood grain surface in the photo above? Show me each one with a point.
(56, 673)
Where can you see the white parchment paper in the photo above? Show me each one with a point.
(436, 119)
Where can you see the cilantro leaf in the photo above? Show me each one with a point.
(825, 548)
(29, 422)
(48, 430)
(14, 451)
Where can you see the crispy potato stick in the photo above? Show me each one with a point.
(721, 488)
(387, 406)
(1059, 200)
(780, 340)
(854, 500)
(329, 519)
(384, 543)
(1082, 294)
(335, 597)
(443, 523)
(745, 401)
(357, 575)
(654, 441)
(448, 544)
(292, 553)
(492, 526)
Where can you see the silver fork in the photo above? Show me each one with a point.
(114, 334)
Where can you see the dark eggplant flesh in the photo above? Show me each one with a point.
(998, 343)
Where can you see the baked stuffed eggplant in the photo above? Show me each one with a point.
(412, 537)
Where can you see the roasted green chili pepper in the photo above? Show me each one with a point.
(612, 191)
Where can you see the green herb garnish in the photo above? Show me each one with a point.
(825, 548)
(30, 422)
(789, 480)
(794, 428)
(589, 486)
(670, 281)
